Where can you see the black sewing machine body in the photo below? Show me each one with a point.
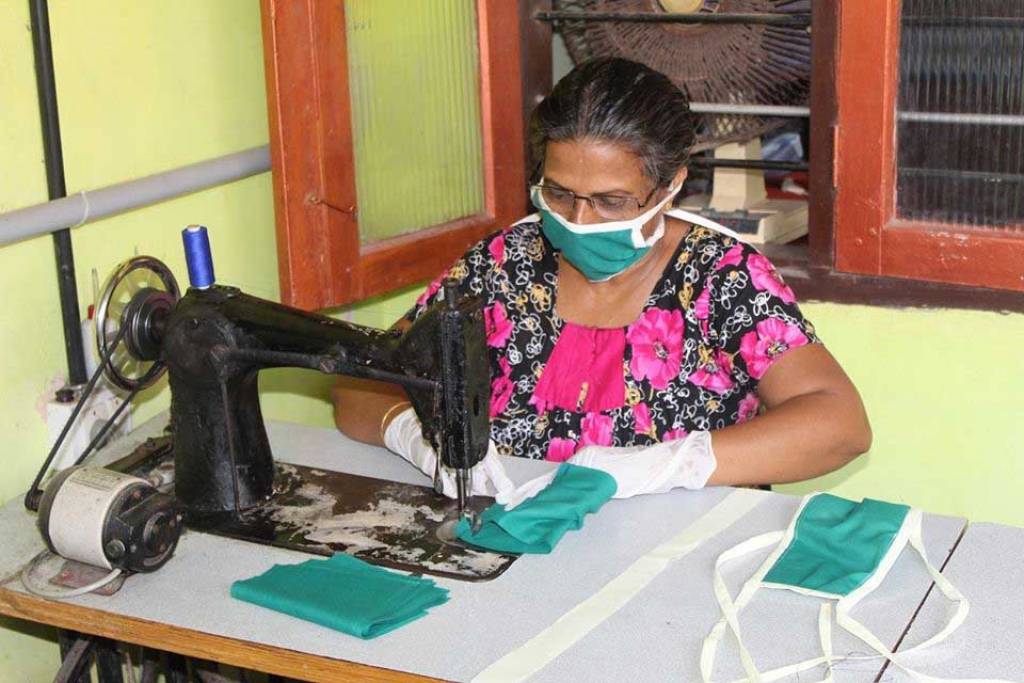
(216, 340)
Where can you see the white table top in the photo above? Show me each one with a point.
(656, 636)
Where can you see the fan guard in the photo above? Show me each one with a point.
(723, 63)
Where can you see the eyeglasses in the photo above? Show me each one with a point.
(610, 206)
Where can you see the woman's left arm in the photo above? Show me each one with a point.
(814, 422)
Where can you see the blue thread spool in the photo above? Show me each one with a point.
(197, 256)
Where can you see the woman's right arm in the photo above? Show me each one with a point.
(364, 407)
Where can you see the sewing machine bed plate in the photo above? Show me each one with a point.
(387, 523)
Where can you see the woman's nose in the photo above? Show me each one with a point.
(581, 211)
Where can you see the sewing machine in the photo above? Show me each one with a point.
(217, 461)
(217, 339)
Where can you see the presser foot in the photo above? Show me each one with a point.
(446, 530)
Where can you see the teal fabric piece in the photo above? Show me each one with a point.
(838, 544)
(538, 524)
(343, 593)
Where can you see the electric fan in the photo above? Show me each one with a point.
(731, 58)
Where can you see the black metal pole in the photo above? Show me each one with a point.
(53, 158)
(53, 155)
(709, 162)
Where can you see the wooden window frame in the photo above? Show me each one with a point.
(858, 250)
(320, 259)
(846, 257)
(870, 237)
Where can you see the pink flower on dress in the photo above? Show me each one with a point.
(657, 342)
(560, 450)
(773, 337)
(642, 419)
(497, 250)
(501, 388)
(748, 407)
(702, 309)
(499, 327)
(731, 258)
(430, 291)
(714, 371)
(597, 430)
(765, 277)
(675, 435)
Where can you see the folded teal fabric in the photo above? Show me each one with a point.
(343, 593)
(538, 524)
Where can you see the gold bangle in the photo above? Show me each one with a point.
(387, 414)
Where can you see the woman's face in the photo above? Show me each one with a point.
(594, 167)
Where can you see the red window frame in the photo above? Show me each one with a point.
(869, 237)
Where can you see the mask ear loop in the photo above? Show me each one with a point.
(638, 231)
(730, 609)
(854, 627)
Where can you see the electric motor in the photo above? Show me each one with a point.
(108, 519)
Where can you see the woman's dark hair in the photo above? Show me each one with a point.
(616, 100)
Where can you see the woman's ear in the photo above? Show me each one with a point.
(680, 177)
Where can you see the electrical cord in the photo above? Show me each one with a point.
(29, 581)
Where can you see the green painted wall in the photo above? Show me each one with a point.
(943, 389)
(149, 85)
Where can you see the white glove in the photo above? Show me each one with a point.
(404, 436)
(683, 463)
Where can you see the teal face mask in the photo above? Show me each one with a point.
(600, 250)
(837, 545)
(835, 549)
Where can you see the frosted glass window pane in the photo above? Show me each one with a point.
(961, 112)
(414, 82)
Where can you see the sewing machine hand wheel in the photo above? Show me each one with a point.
(136, 300)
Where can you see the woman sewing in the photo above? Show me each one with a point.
(613, 323)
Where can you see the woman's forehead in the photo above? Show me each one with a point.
(594, 167)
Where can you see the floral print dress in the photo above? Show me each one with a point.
(718, 318)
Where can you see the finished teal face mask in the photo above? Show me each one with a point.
(600, 250)
(835, 549)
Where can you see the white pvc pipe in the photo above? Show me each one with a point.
(91, 205)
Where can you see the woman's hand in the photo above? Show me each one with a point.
(404, 436)
(637, 470)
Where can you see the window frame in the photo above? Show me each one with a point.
(871, 238)
(321, 262)
(843, 259)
